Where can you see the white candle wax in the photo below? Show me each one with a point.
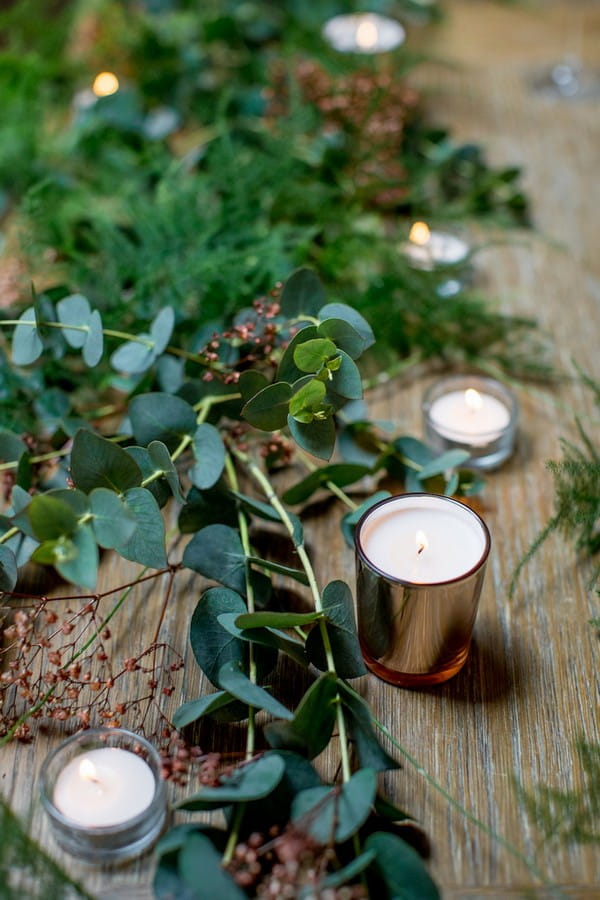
(363, 33)
(423, 539)
(439, 248)
(107, 786)
(469, 417)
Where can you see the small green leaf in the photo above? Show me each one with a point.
(297, 574)
(216, 552)
(212, 645)
(268, 409)
(343, 335)
(82, 568)
(161, 459)
(195, 709)
(266, 637)
(51, 518)
(268, 512)
(252, 382)
(11, 446)
(308, 401)
(162, 329)
(209, 453)
(237, 683)
(331, 816)
(288, 370)
(75, 311)
(302, 294)
(207, 508)
(352, 317)
(8, 569)
(147, 543)
(310, 356)
(276, 619)
(400, 869)
(349, 872)
(161, 417)
(157, 486)
(200, 868)
(360, 723)
(316, 437)
(447, 460)
(340, 474)
(113, 522)
(251, 782)
(311, 728)
(27, 345)
(133, 357)
(94, 341)
(341, 629)
(97, 462)
(346, 381)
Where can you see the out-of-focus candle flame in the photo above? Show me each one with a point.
(105, 84)
(366, 35)
(421, 541)
(87, 770)
(419, 233)
(473, 399)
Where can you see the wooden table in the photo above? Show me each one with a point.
(531, 685)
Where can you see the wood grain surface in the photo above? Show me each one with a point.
(530, 687)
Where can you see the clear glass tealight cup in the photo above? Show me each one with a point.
(73, 824)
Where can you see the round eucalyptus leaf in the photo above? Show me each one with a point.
(98, 462)
(216, 552)
(113, 522)
(133, 357)
(8, 569)
(212, 645)
(309, 356)
(209, 452)
(343, 335)
(161, 417)
(51, 518)
(74, 311)
(94, 341)
(400, 869)
(27, 345)
(352, 317)
(147, 542)
(200, 868)
(83, 567)
(253, 781)
(268, 409)
(162, 329)
(316, 437)
(302, 294)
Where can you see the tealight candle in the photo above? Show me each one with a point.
(363, 33)
(427, 249)
(474, 413)
(420, 564)
(104, 794)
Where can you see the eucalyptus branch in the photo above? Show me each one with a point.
(266, 487)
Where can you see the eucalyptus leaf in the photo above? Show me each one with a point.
(161, 417)
(8, 569)
(308, 401)
(82, 567)
(200, 868)
(207, 508)
(98, 462)
(276, 619)
(297, 574)
(212, 645)
(268, 409)
(311, 728)
(316, 437)
(350, 871)
(302, 294)
(311, 355)
(209, 452)
(340, 474)
(341, 630)
(158, 487)
(440, 464)
(333, 816)
(51, 518)
(251, 782)
(216, 552)
(162, 329)
(27, 345)
(11, 446)
(266, 637)
(94, 341)
(74, 311)
(346, 381)
(352, 317)
(133, 357)
(362, 732)
(251, 382)
(195, 709)
(147, 542)
(399, 869)
(161, 459)
(113, 523)
(234, 680)
(343, 335)
(268, 512)
(288, 370)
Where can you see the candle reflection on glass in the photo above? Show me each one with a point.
(426, 249)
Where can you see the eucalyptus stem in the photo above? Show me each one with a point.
(337, 491)
(8, 534)
(265, 485)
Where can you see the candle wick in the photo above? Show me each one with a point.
(420, 548)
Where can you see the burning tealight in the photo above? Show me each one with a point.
(420, 562)
(473, 413)
(104, 794)
(363, 33)
(105, 84)
(427, 249)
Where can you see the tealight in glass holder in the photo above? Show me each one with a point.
(420, 567)
(103, 792)
(473, 413)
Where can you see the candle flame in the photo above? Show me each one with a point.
(105, 84)
(87, 770)
(419, 234)
(421, 541)
(366, 35)
(473, 399)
